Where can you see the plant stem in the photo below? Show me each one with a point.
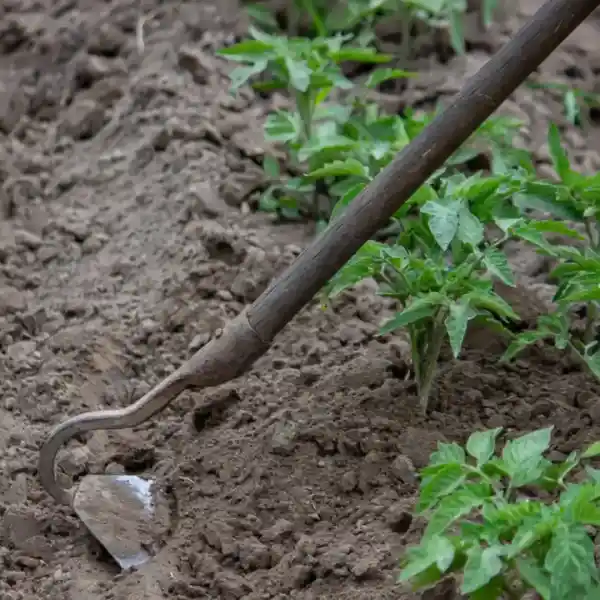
(406, 17)
(591, 315)
(591, 309)
(416, 348)
(429, 358)
(293, 18)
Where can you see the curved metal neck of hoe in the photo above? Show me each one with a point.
(224, 358)
(131, 416)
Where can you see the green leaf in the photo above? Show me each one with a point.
(240, 75)
(283, 126)
(380, 75)
(443, 221)
(497, 264)
(456, 323)
(523, 456)
(247, 51)
(299, 73)
(488, 8)
(534, 576)
(420, 308)
(559, 157)
(271, 167)
(470, 229)
(582, 508)
(493, 303)
(483, 564)
(436, 550)
(591, 451)
(522, 341)
(493, 590)
(454, 506)
(442, 482)
(555, 227)
(447, 453)
(337, 168)
(570, 561)
(571, 105)
(361, 55)
(481, 445)
(343, 202)
(457, 36)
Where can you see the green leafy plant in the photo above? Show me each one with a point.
(442, 265)
(508, 523)
(576, 103)
(575, 197)
(309, 71)
(322, 18)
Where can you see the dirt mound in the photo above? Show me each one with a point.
(127, 240)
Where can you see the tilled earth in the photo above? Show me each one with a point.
(128, 237)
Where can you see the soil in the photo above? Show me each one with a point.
(128, 237)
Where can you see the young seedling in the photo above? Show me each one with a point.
(309, 71)
(321, 18)
(441, 268)
(575, 198)
(576, 103)
(508, 524)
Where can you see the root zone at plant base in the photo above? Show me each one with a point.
(129, 235)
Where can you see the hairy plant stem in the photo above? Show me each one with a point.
(428, 347)
(591, 309)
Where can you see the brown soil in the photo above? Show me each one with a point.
(127, 238)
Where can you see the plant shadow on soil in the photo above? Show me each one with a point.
(127, 239)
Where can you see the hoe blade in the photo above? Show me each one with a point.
(124, 513)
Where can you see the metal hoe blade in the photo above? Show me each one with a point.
(122, 512)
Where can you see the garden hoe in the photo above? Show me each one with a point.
(119, 510)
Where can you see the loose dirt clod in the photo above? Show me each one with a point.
(123, 276)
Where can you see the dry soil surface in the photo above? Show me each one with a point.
(128, 238)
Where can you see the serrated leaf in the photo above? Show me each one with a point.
(470, 229)
(420, 308)
(456, 323)
(451, 508)
(570, 561)
(534, 576)
(581, 507)
(443, 482)
(591, 451)
(556, 227)
(559, 157)
(481, 444)
(345, 200)
(447, 453)
(282, 126)
(443, 221)
(241, 75)
(523, 456)
(497, 264)
(522, 341)
(493, 303)
(483, 564)
(338, 168)
(436, 550)
(378, 76)
(299, 73)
